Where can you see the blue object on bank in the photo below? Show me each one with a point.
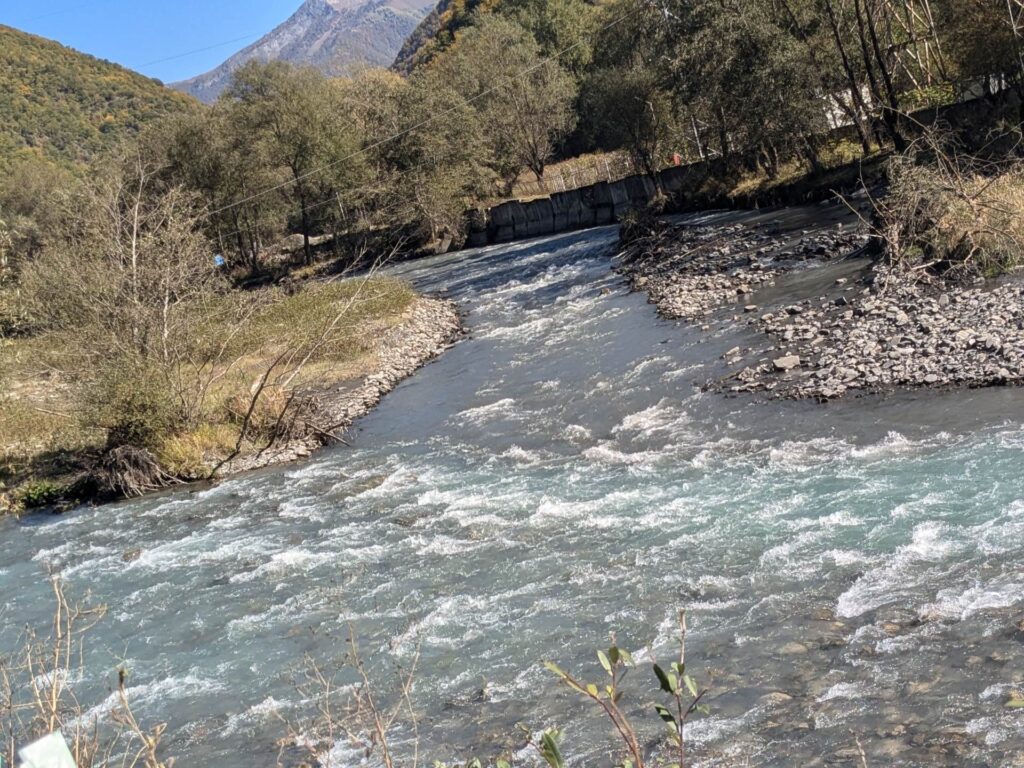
(218, 261)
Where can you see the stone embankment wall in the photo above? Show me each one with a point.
(686, 187)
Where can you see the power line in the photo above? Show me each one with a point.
(199, 50)
(59, 12)
(543, 62)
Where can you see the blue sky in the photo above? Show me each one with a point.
(160, 38)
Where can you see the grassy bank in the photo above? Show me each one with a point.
(289, 346)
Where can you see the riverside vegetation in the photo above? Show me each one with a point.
(136, 364)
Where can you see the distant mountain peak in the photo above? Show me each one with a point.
(335, 36)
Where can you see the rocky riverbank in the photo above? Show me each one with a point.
(690, 271)
(429, 327)
(874, 331)
(888, 333)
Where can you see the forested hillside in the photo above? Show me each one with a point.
(68, 107)
(550, 21)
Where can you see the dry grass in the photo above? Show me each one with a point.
(574, 173)
(834, 155)
(950, 214)
(41, 412)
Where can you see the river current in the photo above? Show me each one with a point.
(852, 568)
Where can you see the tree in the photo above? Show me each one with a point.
(294, 117)
(425, 149)
(624, 108)
(229, 168)
(524, 102)
(562, 28)
(138, 255)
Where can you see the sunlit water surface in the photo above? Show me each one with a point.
(558, 475)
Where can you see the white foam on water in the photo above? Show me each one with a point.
(993, 730)
(249, 721)
(842, 518)
(206, 547)
(529, 331)
(291, 612)
(57, 557)
(613, 509)
(576, 433)
(662, 417)
(922, 506)
(717, 728)
(959, 604)
(902, 571)
(231, 522)
(781, 556)
(606, 453)
(455, 620)
(845, 558)
(523, 456)
(998, 691)
(481, 414)
(858, 690)
(638, 370)
(800, 455)
(191, 685)
(290, 561)
(445, 546)
(1004, 534)
(894, 444)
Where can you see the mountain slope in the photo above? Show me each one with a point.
(335, 36)
(436, 32)
(67, 106)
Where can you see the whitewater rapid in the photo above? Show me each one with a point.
(559, 475)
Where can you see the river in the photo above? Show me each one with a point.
(558, 475)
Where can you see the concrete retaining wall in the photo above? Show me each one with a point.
(597, 204)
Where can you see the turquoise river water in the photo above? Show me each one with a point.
(853, 568)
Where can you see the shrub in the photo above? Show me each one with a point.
(188, 454)
(260, 415)
(953, 215)
(133, 402)
(39, 493)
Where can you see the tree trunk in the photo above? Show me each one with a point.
(855, 94)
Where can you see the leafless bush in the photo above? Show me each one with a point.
(365, 718)
(952, 214)
(359, 715)
(38, 696)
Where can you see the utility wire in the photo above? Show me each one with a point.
(198, 50)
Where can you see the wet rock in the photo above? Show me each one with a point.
(776, 698)
(898, 332)
(793, 649)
